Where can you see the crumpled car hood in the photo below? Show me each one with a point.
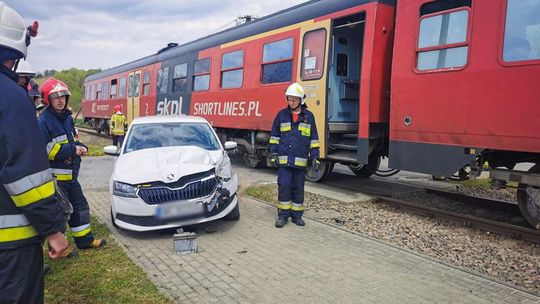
(158, 164)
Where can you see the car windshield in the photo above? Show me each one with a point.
(155, 135)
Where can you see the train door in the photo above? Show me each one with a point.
(343, 93)
(133, 107)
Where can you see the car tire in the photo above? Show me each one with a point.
(234, 215)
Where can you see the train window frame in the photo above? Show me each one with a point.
(105, 90)
(275, 61)
(503, 35)
(114, 87)
(198, 74)
(146, 83)
(162, 81)
(306, 53)
(98, 91)
(122, 83)
(446, 46)
(180, 73)
(232, 69)
(93, 92)
(136, 84)
(130, 81)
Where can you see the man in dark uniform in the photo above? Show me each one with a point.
(294, 142)
(29, 211)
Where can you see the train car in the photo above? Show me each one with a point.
(438, 87)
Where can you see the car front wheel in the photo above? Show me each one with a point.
(234, 215)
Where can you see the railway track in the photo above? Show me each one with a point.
(467, 220)
(92, 131)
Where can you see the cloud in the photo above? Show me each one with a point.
(104, 33)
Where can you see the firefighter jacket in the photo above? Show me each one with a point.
(58, 130)
(29, 210)
(118, 124)
(294, 142)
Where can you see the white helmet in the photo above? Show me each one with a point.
(296, 90)
(25, 69)
(12, 33)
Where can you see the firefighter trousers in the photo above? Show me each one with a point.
(291, 192)
(21, 275)
(79, 223)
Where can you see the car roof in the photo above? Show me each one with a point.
(167, 119)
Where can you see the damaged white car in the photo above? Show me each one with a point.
(171, 171)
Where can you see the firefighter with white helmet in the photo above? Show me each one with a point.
(64, 152)
(294, 144)
(29, 210)
(25, 73)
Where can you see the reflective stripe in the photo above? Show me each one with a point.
(314, 144)
(300, 162)
(284, 205)
(28, 182)
(63, 174)
(52, 150)
(13, 220)
(79, 228)
(80, 233)
(17, 233)
(305, 129)
(297, 207)
(60, 139)
(282, 159)
(274, 140)
(285, 126)
(34, 195)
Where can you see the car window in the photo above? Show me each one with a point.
(147, 136)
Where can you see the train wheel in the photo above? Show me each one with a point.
(366, 170)
(529, 201)
(315, 176)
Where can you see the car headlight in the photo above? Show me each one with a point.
(122, 189)
(223, 170)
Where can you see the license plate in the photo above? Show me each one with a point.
(179, 210)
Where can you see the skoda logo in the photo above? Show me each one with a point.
(170, 177)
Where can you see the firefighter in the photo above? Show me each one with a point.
(65, 157)
(294, 145)
(29, 211)
(118, 126)
(25, 73)
(33, 91)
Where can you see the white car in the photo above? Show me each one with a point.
(171, 171)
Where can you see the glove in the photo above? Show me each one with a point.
(274, 158)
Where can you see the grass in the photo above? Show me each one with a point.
(104, 275)
(483, 183)
(267, 193)
(95, 150)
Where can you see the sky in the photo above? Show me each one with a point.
(88, 34)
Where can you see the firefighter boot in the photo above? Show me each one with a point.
(280, 222)
(96, 243)
(299, 221)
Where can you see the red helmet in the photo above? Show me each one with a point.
(117, 108)
(53, 88)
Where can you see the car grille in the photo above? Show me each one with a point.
(198, 189)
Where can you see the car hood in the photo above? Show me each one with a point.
(160, 164)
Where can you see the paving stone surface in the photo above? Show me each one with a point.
(250, 261)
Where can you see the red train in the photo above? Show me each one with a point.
(436, 86)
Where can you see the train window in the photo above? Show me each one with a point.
(162, 81)
(122, 88)
(232, 72)
(146, 83)
(313, 52)
(113, 88)
(522, 31)
(106, 90)
(136, 84)
(277, 61)
(442, 40)
(98, 91)
(130, 86)
(342, 64)
(93, 92)
(180, 78)
(201, 75)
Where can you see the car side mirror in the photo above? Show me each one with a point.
(111, 150)
(230, 145)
